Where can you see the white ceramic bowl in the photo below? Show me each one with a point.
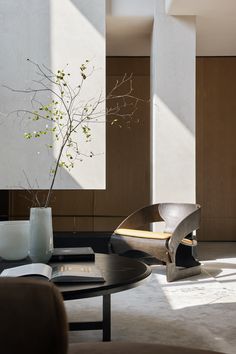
(14, 239)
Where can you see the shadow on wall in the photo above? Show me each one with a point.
(93, 13)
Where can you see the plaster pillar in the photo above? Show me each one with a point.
(173, 107)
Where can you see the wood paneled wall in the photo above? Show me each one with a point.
(216, 147)
(128, 166)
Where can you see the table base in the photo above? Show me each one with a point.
(104, 325)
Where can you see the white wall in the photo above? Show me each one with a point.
(129, 27)
(200, 7)
(173, 115)
(215, 22)
(130, 7)
(53, 33)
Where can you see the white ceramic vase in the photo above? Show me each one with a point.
(41, 235)
(14, 239)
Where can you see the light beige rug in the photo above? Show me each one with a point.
(197, 312)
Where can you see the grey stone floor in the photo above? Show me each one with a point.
(196, 312)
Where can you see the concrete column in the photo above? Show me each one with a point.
(173, 107)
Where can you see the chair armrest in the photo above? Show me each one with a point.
(184, 228)
(141, 217)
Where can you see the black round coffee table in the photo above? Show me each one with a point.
(120, 273)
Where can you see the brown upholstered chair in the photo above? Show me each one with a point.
(33, 321)
(175, 246)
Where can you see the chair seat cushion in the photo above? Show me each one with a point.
(152, 235)
(143, 234)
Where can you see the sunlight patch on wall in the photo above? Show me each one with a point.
(174, 156)
(51, 33)
(74, 39)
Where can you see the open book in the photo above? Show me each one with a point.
(82, 272)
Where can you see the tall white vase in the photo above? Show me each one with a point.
(41, 235)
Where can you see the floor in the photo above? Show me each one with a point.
(196, 312)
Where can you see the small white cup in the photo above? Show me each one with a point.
(14, 239)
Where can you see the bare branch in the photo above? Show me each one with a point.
(69, 114)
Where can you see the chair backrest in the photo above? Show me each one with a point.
(33, 319)
(174, 213)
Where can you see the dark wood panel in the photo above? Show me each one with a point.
(218, 228)
(64, 202)
(118, 66)
(74, 224)
(4, 204)
(73, 202)
(128, 147)
(106, 223)
(216, 147)
(128, 163)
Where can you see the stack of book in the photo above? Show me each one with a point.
(74, 254)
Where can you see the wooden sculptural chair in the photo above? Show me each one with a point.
(175, 246)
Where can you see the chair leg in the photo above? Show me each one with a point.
(174, 273)
(184, 257)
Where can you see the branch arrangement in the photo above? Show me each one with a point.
(66, 115)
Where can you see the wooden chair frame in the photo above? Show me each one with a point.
(181, 219)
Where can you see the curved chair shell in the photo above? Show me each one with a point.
(174, 213)
(142, 216)
(122, 244)
(181, 219)
(186, 226)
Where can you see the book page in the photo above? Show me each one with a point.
(76, 272)
(28, 269)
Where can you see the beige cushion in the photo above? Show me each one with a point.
(152, 235)
(188, 242)
(143, 234)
